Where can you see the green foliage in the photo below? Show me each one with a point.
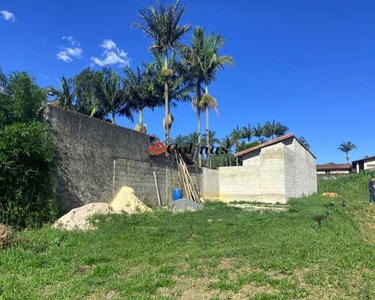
(20, 98)
(26, 174)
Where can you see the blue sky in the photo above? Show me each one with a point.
(308, 64)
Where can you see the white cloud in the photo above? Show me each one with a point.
(7, 15)
(71, 40)
(111, 55)
(67, 54)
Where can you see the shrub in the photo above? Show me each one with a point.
(26, 175)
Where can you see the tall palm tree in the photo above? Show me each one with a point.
(177, 89)
(64, 97)
(161, 24)
(206, 104)
(346, 147)
(258, 131)
(201, 62)
(247, 132)
(111, 92)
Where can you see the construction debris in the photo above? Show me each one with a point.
(189, 189)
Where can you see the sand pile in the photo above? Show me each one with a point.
(5, 234)
(126, 201)
(78, 218)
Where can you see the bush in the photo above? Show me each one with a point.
(26, 175)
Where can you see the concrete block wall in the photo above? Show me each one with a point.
(300, 168)
(210, 183)
(278, 173)
(263, 183)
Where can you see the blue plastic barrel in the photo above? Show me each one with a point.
(176, 194)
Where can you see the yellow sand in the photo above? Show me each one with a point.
(126, 201)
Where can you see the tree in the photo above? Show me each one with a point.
(177, 89)
(258, 131)
(139, 94)
(89, 95)
(280, 129)
(247, 132)
(227, 143)
(64, 97)
(269, 129)
(20, 98)
(346, 147)
(304, 142)
(201, 61)
(161, 23)
(112, 94)
(206, 104)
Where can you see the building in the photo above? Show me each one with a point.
(273, 172)
(333, 169)
(364, 164)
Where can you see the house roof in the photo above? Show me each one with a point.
(325, 167)
(364, 159)
(270, 143)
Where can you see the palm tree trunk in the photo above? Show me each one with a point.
(199, 137)
(113, 117)
(140, 118)
(166, 102)
(199, 124)
(208, 137)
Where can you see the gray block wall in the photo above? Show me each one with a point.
(96, 158)
(278, 173)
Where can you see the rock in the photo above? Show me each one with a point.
(5, 234)
(78, 218)
(126, 201)
(186, 205)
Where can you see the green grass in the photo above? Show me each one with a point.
(220, 252)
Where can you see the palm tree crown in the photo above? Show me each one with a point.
(346, 147)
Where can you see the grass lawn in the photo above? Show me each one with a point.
(220, 252)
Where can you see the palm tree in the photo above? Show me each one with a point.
(304, 142)
(346, 147)
(236, 137)
(269, 129)
(206, 104)
(161, 24)
(247, 132)
(138, 95)
(258, 131)
(177, 89)
(227, 143)
(201, 62)
(280, 129)
(111, 90)
(64, 97)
